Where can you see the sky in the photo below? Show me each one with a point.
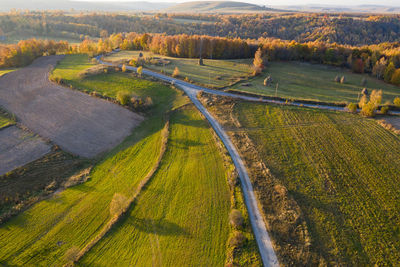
(288, 2)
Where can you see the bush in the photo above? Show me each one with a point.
(337, 79)
(396, 101)
(369, 109)
(118, 204)
(139, 71)
(236, 218)
(176, 72)
(123, 68)
(237, 240)
(352, 107)
(384, 109)
(123, 97)
(343, 79)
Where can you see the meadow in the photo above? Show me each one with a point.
(214, 73)
(342, 170)
(306, 81)
(181, 218)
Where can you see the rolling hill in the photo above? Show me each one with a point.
(217, 7)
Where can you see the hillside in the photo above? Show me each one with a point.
(342, 9)
(217, 7)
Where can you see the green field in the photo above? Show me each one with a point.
(214, 73)
(182, 217)
(315, 82)
(344, 172)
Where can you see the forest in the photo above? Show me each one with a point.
(348, 29)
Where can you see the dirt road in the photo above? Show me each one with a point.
(77, 122)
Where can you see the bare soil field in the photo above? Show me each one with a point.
(18, 148)
(78, 123)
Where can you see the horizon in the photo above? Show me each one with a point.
(333, 3)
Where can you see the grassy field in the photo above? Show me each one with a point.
(315, 82)
(182, 217)
(343, 171)
(214, 73)
(182, 214)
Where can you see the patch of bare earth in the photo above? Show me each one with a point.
(19, 147)
(391, 123)
(78, 123)
(282, 214)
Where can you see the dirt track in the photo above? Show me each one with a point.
(18, 148)
(78, 123)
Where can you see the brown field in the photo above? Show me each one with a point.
(18, 147)
(78, 123)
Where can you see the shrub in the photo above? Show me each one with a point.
(176, 72)
(384, 109)
(139, 71)
(337, 79)
(237, 240)
(396, 101)
(123, 97)
(363, 101)
(236, 218)
(352, 107)
(118, 204)
(94, 60)
(343, 79)
(368, 110)
(123, 68)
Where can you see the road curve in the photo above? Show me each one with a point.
(264, 243)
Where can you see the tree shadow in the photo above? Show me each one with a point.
(158, 226)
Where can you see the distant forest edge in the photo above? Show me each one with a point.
(351, 29)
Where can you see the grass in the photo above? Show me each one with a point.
(315, 82)
(4, 71)
(343, 171)
(6, 119)
(182, 216)
(214, 73)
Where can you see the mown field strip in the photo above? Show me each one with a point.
(345, 177)
(181, 218)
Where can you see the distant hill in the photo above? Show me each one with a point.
(67, 5)
(342, 9)
(217, 7)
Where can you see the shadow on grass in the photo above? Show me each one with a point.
(158, 226)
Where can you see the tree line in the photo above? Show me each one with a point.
(351, 29)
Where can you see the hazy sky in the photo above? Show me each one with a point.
(290, 2)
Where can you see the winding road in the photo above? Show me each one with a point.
(264, 243)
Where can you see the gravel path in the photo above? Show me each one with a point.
(18, 148)
(77, 122)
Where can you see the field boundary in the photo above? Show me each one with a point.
(129, 202)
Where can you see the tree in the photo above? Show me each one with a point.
(363, 101)
(389, 71)
(260, 60)
(396, 77)
(352, 107)
(379, 69)
(176, 72)
(123, 68)
(139, 71)
(396, 101)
